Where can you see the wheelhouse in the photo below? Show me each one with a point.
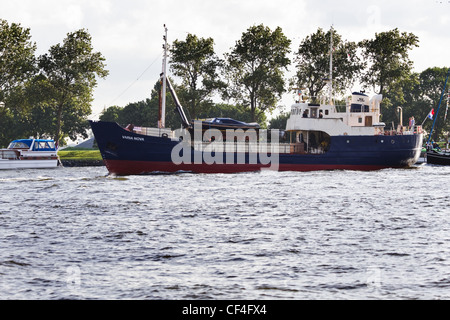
(33, 145)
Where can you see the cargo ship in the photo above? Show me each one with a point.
(318, 136)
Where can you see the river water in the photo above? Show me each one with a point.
(77, 233)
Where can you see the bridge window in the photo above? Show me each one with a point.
(359, 108)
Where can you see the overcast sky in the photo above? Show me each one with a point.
(129, 32)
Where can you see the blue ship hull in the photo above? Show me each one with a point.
(128, 153)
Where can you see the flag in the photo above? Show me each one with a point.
(431, 114)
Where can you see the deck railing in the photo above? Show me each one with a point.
(9, 155)
(155, 132)
(251, 147)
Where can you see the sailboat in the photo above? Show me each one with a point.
(434, 156)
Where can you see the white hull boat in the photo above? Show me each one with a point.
(29, 154)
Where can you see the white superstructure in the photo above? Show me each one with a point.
(361, 117)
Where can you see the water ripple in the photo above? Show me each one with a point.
(77, 233)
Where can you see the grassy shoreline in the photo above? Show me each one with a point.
(71, 157)
(80, 154)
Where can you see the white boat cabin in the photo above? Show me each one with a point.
(361, 117)
(29, 154)
(310, 126)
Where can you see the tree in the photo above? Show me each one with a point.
(17, 61)
(280, 121)
(68, 74)
(313, 63)
(431, 85)
(195, 62)
(389, 63)
(17, 66)
(111, 114)
(254, 69)
(421, 92)
(408, 100)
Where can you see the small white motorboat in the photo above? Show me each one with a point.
(29, 154)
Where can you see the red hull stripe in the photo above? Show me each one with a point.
(121, 167)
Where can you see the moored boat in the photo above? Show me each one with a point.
(434, 156)
(438, 157)
(29, 154)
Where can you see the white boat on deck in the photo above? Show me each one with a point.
(29, 154)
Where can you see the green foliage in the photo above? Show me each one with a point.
(78, 154)
(254, 69)
(137, 113)
(17, 61)
(52, 98)
(8, 127)
(68, 77)
(421, 93)
(17, 65)
(144, 113)
(388, 55)
(195, 62)
(313, 63)
(111, 114)
(280, 121)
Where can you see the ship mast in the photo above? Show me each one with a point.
(331, 67)
(162, 120)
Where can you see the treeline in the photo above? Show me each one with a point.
(51, 95)
(146, 113)
(48, 95)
